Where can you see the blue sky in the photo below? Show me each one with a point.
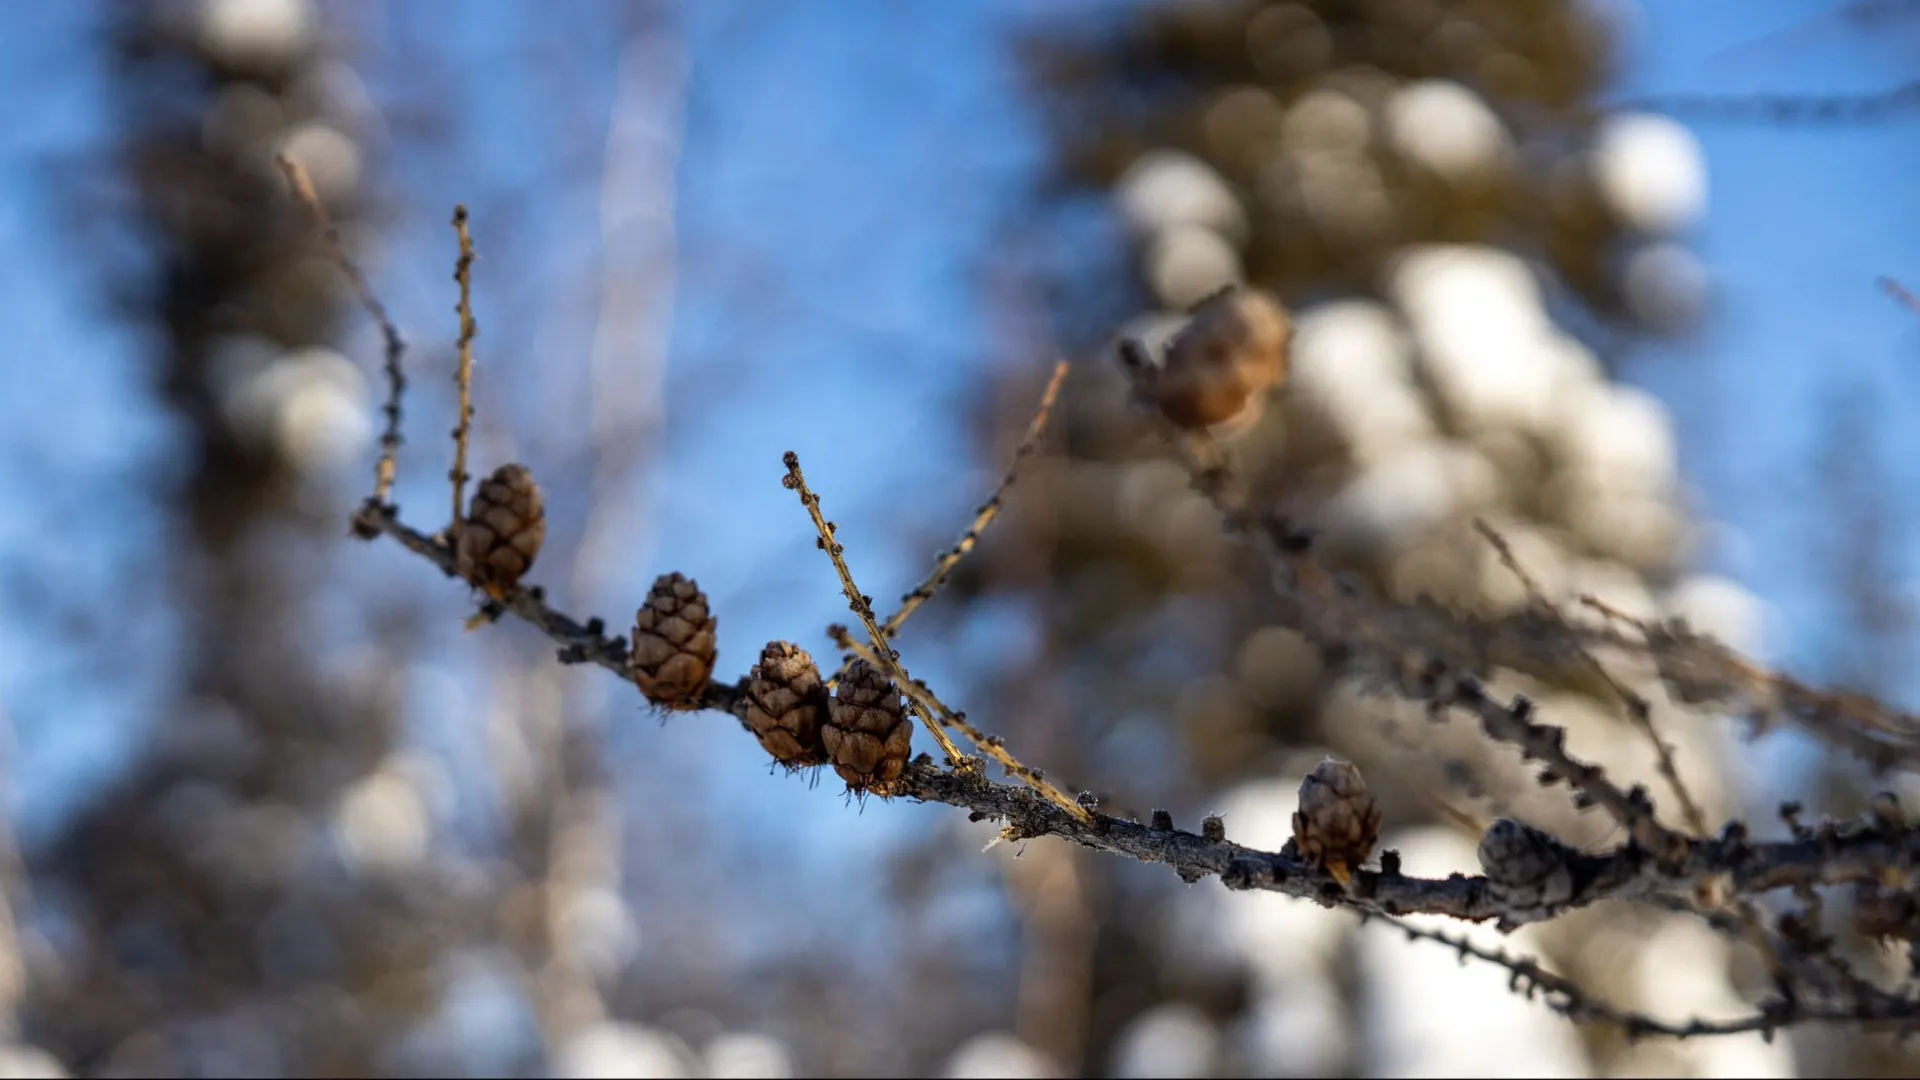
(819, 139)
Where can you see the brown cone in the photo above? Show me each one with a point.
(786, 703)
(506, 523)
(673, 643)
(868, 734)
(1233, 349)
(1338, 822)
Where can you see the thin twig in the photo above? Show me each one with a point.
(1334, 616)
(1702, 671)
(862, 606)
(463, 373)
(1641, 713)
(987, 512)
(1543, 880)
(1565, 997)
(1637, 707)
(1834, 854)
(387, 468)
(991, 745)
(984, 516)
(1781, 108)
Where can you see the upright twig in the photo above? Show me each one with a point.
(1701, 671)
(1641, 713)
(1637, 707)
(862, 607)
(983, 516)
(987, 511)
(1528, 875)
(990, 745)
(463, 371)
(387, 467)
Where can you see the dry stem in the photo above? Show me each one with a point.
(388, 466)
(463, 373)
(984, 516)
(1388, 643)
(862, 607)
(991, 745)
(1636, 706)
(1642, 715)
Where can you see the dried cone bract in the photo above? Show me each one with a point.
(786, 704)
(868, 734)
(1337, 823)
(505, 526)
(1233, 349)
(673, 643)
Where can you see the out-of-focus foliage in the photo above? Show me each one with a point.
(1315, 141)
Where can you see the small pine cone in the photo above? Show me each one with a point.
(1233, 349)
(868, 734)
(1338, 822)
(506, 523)
(673, 643)
(1528, 871)
(786, 702)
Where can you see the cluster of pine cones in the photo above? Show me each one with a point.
(862, 729)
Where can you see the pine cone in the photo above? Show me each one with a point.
(868, 734)
(1528, 871)
(786, 703)
(673, 643)
(506, 523)
(1338, 822)
(1232, 350)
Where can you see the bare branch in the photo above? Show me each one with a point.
(987, 512)
(388, 466)
(862, 605)
(463, 373)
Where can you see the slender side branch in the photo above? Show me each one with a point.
(1565, 997)
(1351, 632)
(987, 512)
(1833, 854)
(991, 745)
(1529, 876)
(1641, 713)
(1704, 672)
(387, 468)
(1637, 707)
(463, 373)
(862, 606)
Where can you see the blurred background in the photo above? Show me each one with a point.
(1601, 272)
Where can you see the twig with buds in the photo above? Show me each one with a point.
(1526, 875)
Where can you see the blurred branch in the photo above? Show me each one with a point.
(463, 373)
(396, 347)
(1900, 293)
(1884, 105)
(1527, 875)
(1837, 853)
